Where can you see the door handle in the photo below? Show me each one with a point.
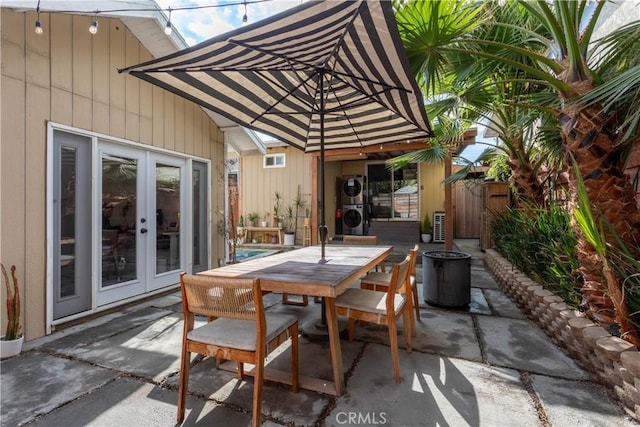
(143, 230)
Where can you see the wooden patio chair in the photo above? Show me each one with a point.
(379, 281)
(238, 329)
(382, 308)
(349, 239)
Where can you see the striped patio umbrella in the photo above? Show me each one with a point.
(323, 75)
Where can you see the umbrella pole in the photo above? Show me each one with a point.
(322, 228)
(317, 329)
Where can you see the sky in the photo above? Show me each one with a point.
(201, 24)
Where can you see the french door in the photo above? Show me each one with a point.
(117, 228)
(123, 223)
(142, 195)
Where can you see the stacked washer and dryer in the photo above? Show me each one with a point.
(353, 199)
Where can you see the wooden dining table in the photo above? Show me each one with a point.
(300, 271)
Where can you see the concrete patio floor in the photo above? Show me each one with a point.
(487, 365)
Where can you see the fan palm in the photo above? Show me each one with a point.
(550, 45)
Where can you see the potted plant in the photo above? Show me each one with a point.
(426, 229)
(252, 218)
(265, 220)
(307, 217)
(11, 342)
(290, 219)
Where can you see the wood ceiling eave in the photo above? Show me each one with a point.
(385, 151)
(389, 151)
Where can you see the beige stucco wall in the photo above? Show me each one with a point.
(68, 76)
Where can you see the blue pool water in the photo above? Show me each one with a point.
(245, 254)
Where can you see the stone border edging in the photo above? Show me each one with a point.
(611, 360)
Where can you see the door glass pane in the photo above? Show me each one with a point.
(67, 197)
(405, 194)
(380, 189)
(393, 195)
(200, 230)
(196, 216)
(167, 218)
(119, 194)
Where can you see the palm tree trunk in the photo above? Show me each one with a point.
(595, 297)
(599, 159)
(594, 149)
(527, 185)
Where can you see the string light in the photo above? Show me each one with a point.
(93, 28)
(38, 29)
(167, 28)
(244, 17)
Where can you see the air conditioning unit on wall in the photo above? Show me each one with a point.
(438, 227)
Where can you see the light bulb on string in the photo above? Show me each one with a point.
(244, 17)
(168, 29)
(38, 29)
(93, 28)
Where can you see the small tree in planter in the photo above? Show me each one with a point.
(276, 209)
(290, 224)
(426, 229)
(12, 339)
(291, 214)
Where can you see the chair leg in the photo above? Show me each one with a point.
(407, 317)
(294, 357)
(240, 370)
(258, 380)
(409, 306)
(352, 327)
(416, 302)
(183, 384)
(393, 343)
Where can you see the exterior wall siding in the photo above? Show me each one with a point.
(70, 77)
(259, 184)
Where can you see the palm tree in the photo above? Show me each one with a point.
(552, 47)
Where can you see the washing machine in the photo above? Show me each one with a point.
(353, 189)
(353, 219)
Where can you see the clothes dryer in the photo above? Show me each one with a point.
(353, 189)
(353, 219)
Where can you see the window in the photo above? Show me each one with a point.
(274, 160)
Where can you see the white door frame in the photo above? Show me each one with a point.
(97, 140)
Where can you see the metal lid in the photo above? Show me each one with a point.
(446, 254)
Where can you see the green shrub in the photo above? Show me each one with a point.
(541, 243)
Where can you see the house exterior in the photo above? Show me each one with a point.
(296, 171)
(109, 186)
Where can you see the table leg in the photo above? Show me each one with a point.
(334, 344)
